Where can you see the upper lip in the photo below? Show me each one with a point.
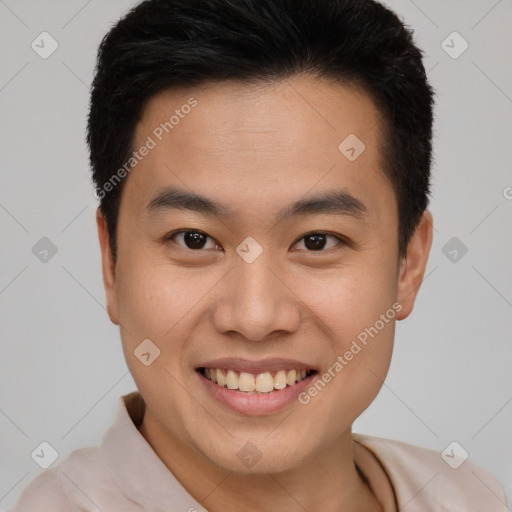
(260, 366)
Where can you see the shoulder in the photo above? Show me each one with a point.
(424, 478)
(60, 488)
(43, 493)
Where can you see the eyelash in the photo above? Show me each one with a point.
(341, 240)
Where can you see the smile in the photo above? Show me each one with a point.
(265, 382)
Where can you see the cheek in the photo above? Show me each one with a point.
(159, 301)
(362, 326)
(361, 349)
(352, 298)
(360, 310)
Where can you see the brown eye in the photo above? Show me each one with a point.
(319, 241)
(194, 240)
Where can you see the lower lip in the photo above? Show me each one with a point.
(252, 403)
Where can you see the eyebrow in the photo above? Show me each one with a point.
(337, 202)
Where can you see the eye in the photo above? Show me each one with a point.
(318, 241)
(197, 240)
(192, 239)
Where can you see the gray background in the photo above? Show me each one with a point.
(62, 368)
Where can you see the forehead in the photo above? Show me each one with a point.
(257, 143)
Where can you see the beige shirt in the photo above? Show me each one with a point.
(124, 474)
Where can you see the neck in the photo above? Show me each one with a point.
(328, 481)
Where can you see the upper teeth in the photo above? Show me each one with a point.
(262, 382)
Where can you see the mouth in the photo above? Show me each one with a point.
(255, 388)
(255, 383)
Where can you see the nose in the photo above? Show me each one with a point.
(256, 302)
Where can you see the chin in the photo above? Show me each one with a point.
(255, 457)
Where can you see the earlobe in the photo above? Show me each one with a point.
(412, 267)
(108, 268)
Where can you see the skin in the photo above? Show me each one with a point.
(257, 148)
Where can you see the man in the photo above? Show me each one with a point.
(263, 176)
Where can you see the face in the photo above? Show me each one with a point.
(286, 260)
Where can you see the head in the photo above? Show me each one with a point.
(263, 175)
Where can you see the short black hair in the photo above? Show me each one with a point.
(163, 44)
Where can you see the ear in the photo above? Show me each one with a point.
(108, 268)
(412, 266)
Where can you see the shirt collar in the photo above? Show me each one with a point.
(139, 472)
(144, 478)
